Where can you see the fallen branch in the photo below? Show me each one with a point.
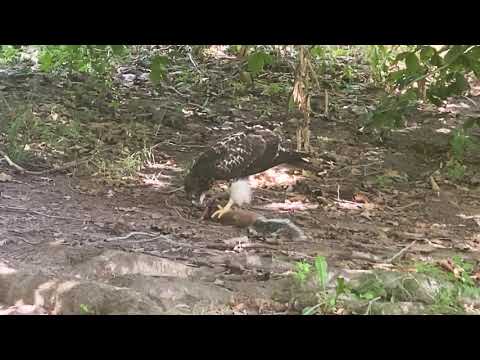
(129, 235)
(30, 243)
(11, 163)
(175, 90)
(43, 172)
(406, 206)
(171, 191)
(194, 64)
(401, 252)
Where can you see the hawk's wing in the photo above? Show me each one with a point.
(236, 154)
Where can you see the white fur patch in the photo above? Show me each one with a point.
(241, 192)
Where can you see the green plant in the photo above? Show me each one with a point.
(8, 54)
(275, 89)
(461, 280)
(158, 68)
(19, 131)
(96, 59)
(379, 58)
(391, 111)
(371, 289)
(459, 143)
(383, 181)
(455, 169)
(326, 301)
(321, 271)
(257, 61)
(420, 73)
(442, 71)
(302, 270)
(85, 310)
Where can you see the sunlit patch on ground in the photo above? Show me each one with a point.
(278, 176)
(291, 206)
(154, 181)
(475, 87)
(161, 174)
(218, 52)
(169, 165)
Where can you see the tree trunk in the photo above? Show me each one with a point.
(302, 99)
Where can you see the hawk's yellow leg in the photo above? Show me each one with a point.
(222, 211)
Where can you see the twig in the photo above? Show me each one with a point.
(11, 208)
(370, 303)
(6, 103)
(43, 172)
(194, 64)
(178, 92)
(406, 206)
(171, 191)
(154, 237)
(11, 163)
(179, 145)
(197, 223)
(166, 239)
(471, 100)
(254, 246)
(359, 165)
(401, 252)
(129, 235)
(28, 242)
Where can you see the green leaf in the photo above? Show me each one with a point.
(426, 53)
(436, 60)
(470, 122)
(396, 75)
(46, 61)
(454, 52)
(461, 84)
(257, 61)
(368, 295)
(402, 56)
(158, 68)
(317, 51)
(321, 269)
(474, 53)
(412, 63)
(118, 50)
(341, 286)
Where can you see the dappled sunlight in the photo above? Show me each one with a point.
(277, 176)
(443, 131)
(163, 173)
(5, 270)
(218, 52)
(475, 89)
(168, 165)
(291, 206)
(45, 287)
(154, 181)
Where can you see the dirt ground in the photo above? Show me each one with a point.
(69, 244)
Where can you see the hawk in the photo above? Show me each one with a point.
(235, 158)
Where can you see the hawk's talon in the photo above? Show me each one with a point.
(222, 210)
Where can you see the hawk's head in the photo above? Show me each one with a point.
(195, 187)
